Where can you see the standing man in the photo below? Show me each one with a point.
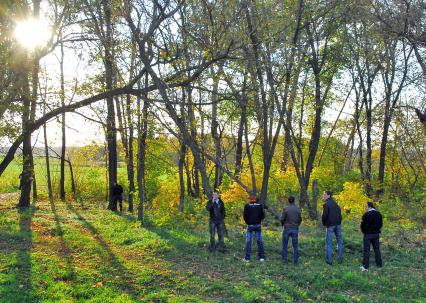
(332, 220)
(216, 208)
(253, 216)
(290, 220)
(371, 224)
(117, 195)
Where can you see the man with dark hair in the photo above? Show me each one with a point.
(290, 220)
(117, 192)
(332, 220)
(371, 224)
(216, 208)
(253, 216)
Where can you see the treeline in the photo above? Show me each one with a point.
(235, 83)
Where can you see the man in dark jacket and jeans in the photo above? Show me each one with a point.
(371, 224)
(253, 216)
(216, 208)
(290, 220)
(332, 220)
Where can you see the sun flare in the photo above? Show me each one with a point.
(32, 33)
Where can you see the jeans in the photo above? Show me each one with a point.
(337, 230)
(292, 232)
(257, 229)
(220, 227)
(374, 240)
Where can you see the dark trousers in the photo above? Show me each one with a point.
(118, 198)
(292, 232)
(220, 228)
(374, 240)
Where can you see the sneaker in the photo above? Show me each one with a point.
(262, 260)
(363, 268)
(246, 260)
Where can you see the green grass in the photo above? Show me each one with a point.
(89, 179)
(62, 252)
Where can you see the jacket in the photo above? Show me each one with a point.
(216, 210)
(371, 222)
(253, 213)
(117, 190)
(291, 217)
(331, 214)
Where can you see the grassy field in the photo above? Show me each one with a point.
(64, 252)
(89, 179)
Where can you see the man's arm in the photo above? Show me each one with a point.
(299, 217)
(363, 223)
(380, 220)
(283, 217)
(209, 205)
(324, 214)
(245, 213)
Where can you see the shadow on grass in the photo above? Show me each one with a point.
(16, 248)
(126, 278)
(64, 250)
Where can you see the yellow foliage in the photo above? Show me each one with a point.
(352, 200)
(235, 192)
(168, 193)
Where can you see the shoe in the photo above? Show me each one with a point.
(329, 263)
(262, 260)
(363, 268)
(246, 260)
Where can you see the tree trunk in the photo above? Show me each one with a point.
(182, 152)
(239, 147)
(130, 166)
(214, 128)
(111, 129)
(63, 149)
(27, 173)
(142, 135)
(46, 154)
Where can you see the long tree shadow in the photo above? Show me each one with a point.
(64, 250)
(125, 276)
(17, 287)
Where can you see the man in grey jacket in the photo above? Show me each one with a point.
(290, 220)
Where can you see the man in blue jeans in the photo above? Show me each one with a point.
(253, 216)
(332, 220)
(290, 220)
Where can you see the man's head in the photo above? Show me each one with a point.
(291, 200)
(115, 183)
(326, 195)
(252, 199)
(216, 195)
(370, 205)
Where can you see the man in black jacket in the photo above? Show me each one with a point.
(216, 208)
(290, 220)
(253, 216)
(332, 220)
(371, 224)
(117, 192)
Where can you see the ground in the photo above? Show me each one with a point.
(67, 252)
